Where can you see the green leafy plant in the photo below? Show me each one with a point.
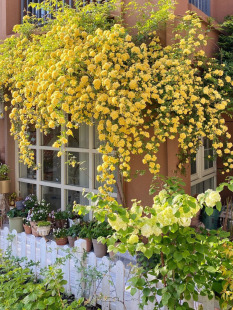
(43, 223)
(4, 172)
(100, 230)
(60, 233)
(74, 230)
(15, 213)
(61, 215)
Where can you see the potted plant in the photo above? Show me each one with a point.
(61, 218)
(100, 230)
(27, 226)
(12, 199)
(38, 213)
(30, 202)
(4, 179)
(15, 220)
(60, 236)
(72, 233)
(43, 228)
(85, 234)
(73, 218)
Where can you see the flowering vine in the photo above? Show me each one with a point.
(140, 96)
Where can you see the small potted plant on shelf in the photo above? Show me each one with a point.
(60, 236)
(73, 233)
(30, 202)
(12, 199)
(61, 218)
(73, 218)
(15, 220)
(27, 226)
(85, 233)
(4, 179)
(43, 228)
(100, 230)
(38, 213)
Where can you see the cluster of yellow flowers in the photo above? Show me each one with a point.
(139, 96)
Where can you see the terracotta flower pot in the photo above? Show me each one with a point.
(89, 244)
(61, 223)
(72, 241)
(27, 229)
(61, 241)
(100, 249)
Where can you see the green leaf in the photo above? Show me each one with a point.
(230, 187)
(165, 298)
(133, 291)
(209, 211)
(146, 291)
(219, 206)
(177, 256)
(211, 269)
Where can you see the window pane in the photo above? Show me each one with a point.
(25, 172)
(78, 197)
(193, 166)
(52, 195)
(51, 166)
(80, 137)
(51, 136)
(97, 142)
(78, 175)
(32, 135)
(26, 188)
(208, 153)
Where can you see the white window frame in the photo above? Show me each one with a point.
(62, 185)
(203, 174)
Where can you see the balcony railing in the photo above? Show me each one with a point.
(203, 5)
(26, 9)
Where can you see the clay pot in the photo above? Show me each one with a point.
(61, 241)
(34, 229)
(27, 229)
(61, 223)
(100, 249)
(72, 241)
(43, 230)
(89, 244)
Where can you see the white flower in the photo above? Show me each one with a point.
(212, 198)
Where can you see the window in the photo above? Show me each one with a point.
(56, 181)
(203, 170)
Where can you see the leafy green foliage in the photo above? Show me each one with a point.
(20, 290)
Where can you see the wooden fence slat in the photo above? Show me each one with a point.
(23, 245)
(43, 253)
(106, 284)
(120, 285)
(92, 262)
(32, 257)
(5, 236)
(66, 270)
(14, 245)
(53, 248)
(81, 247)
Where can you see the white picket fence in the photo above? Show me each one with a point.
(110, 292)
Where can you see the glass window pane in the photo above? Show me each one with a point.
(78, 197)
(193, 166)
(25, 172)
(80, 137)
(79, 174)
(97, 142)
(208, 163)
(51, 166)
(26, 188)
(52, 195)
(32, 135)
(51, 136)
(193, 190)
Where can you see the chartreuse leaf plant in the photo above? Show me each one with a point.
(191, 263)
(85, 68)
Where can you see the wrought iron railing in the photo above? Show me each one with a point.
(26, 9)
(203, 5)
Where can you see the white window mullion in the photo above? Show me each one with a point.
(38, 161)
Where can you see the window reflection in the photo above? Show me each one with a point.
(51, 166)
